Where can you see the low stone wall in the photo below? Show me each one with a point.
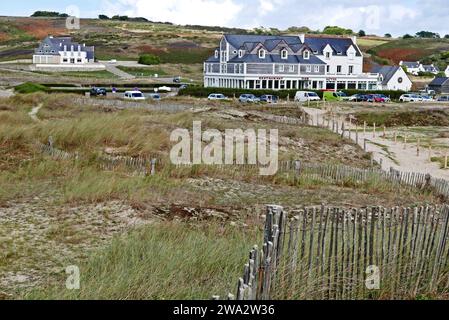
(67, 68)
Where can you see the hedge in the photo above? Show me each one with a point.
(202, 92)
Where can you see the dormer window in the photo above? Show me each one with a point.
(306, 55)
(328, 55)
(262, 54)
(240, 53)
(216, 54)
(284, 54)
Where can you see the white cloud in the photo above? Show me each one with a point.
(203, 12)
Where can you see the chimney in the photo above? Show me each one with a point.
(354, 39)
(302, 37)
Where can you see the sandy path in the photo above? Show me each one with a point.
(34, 111)
(388, 153)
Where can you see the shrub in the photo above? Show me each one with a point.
(149, 59)
(202, 92)
(29, 87)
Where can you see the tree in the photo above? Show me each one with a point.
(427, 34)
(407, 36)
(49, 14)
(388, 35)
(446, 36)
(149, 59)
(362, 33)
(337, 30)
(103, 17)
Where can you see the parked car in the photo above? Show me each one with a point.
(216, 96)
(154, 96)
(358, 97)
(410, 98)
(177, 79)
(94, 92)
(164, 88)
(443, 99)
(384, 98)
(334, 96)
(248, 98)
(268, 98)
(134, 95)
(183, 86)
(302, 96)
(426, 98)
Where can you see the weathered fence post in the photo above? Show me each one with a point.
(153, 167)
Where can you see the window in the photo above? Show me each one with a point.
(262, 54)
(338, 69)
(328, 68)
(306, 55)
(351, 55)
(400, 80)
(291, 68)
(240, 53)
(284, 54)
(316, 69)
(64, 60)
(351, 69)
(281, 68)
(328, 55)
(216, 54)
(309, 68)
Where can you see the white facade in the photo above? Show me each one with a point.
(62, 51)
(447, 72)
(398, 81)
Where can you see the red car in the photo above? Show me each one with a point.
(375, 98)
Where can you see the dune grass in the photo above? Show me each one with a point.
(161, 261)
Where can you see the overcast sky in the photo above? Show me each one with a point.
(378, 17)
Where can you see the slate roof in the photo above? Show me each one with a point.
(270, 42)
(275, 58)
(56, 44)
(411, 64)
(439, 81)
(386, 71)
(430, 68)
(338, 45)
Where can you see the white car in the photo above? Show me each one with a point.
(216, 96)
(302, 96)
(410, 98)
(164, 88)
(427, 99)
(133, 95)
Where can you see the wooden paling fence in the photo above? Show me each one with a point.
(325, 172)
(337, 253)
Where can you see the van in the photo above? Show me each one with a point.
(133, 95)
(334, 96)
(302, 96)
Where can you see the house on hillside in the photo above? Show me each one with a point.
(288, 62)
(393, 78)
(62, 51)
(416, 67)
(411, 67)
(430, 68)
(440, 85)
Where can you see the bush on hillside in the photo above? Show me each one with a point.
(149, 59)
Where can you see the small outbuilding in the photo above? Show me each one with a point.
(440, 85)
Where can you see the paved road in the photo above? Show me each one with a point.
(122, 74)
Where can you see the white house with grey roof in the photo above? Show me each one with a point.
(415, 67)
(62, 51)
(393, 78)
(288, 62)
